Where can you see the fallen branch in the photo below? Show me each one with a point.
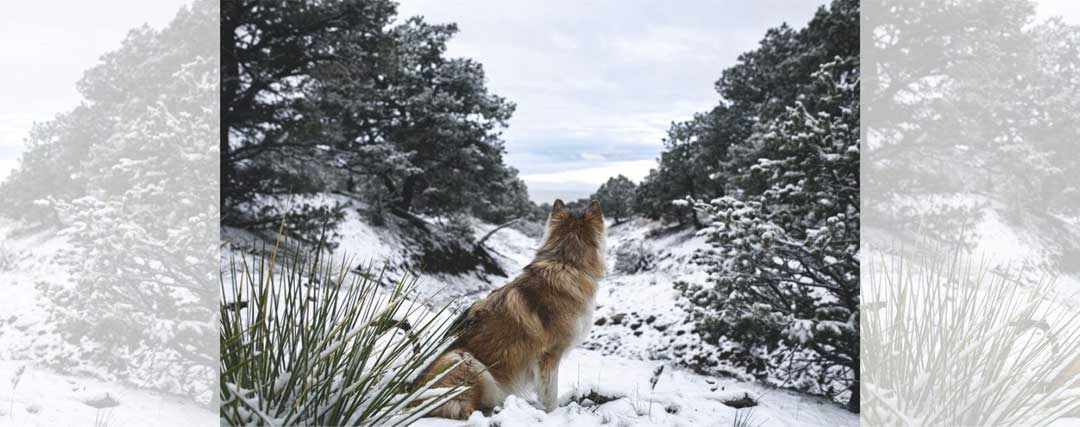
(480, 242)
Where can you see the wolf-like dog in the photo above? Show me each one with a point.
(511, 342)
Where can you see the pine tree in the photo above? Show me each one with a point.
(702, 154)
(774, 170)
(341, 96)
(617, 197)
(142, 223)
(784, 268)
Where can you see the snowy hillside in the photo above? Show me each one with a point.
(639, 328)
(26, 258)
(600, 390)
(35, 393)
(1036, 242)
(918, 279)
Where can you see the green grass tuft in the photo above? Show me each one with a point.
(949, 340)
(306, 341)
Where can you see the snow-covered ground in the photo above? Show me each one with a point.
(680, 398)
(26, 258)
(33, 395)
(638, 327)
(1037, 242)
(1034, 246)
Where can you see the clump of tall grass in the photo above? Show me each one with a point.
(950, 340)
(306, 341)
(745, 418)
(7, 259)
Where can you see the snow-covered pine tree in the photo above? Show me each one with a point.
(617, 197)
(144, 225)
(702, 155)
(673, 179)
(363, 104)
(783, 291)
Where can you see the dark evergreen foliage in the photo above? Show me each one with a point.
(344, 97)
(770, 175)
(617, 197)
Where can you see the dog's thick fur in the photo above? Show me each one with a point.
(513, 340)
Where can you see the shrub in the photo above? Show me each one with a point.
(634, 256)
(952, 341)
(313, 342)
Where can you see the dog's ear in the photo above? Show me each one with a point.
(559, 210)
(594, 211)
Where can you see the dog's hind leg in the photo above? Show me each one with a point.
(466, 374)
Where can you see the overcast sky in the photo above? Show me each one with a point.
(597, 83)
(44, 48)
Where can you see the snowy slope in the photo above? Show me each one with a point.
(32, 257)
(33, 395)
(1037, 242)
(37, 397)
(639, 327)
(680, 398)
(637, 314)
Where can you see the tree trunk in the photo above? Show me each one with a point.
(853, 403)
(230, 87)
(694, 217)
(407, 191)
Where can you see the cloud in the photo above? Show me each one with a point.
(636, 170)
(50, 48)
(1068, 10)
(14, 129)
(597, 84)
(579, 182)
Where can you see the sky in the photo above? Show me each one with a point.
(1068, 10)
(46, 47)
(598, 83)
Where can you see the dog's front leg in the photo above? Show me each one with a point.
(549, 380)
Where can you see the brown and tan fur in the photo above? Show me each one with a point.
(1069, 377)
(514, 339)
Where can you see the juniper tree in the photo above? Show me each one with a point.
(775, 171)
(702, 154)
(344, 96)
(784, 264)
(142, 219)
(617, 197)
